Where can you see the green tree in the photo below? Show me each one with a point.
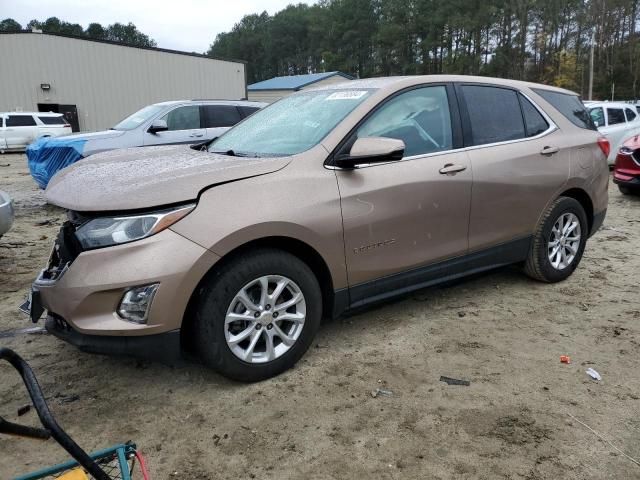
(9, 25)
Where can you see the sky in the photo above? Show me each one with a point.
(189, 25)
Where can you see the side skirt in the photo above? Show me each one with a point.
(404, 282)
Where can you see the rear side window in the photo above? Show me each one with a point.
(220, 116)
(53, 120)
(1, 122)
(631, 115)
(569, 106)
(20, 121)
(246, 111)
(494, 113)
(534, 122)
(616, 116)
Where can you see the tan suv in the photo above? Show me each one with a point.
(327, 200)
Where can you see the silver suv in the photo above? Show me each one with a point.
(166, 123)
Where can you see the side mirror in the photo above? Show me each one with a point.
(596, 123)
(372, 150)
(158, 126)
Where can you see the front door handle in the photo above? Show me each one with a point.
(451, 168)
(196, 135)
(549, 151)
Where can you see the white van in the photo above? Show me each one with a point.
(19, 129)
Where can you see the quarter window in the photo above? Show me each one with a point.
(419, 117)
(534, 122)
(569, 106)
(20, 121)
(630, 115)
(183, 118)
(616, 116)
(494, 113)
(246, 111)
(53, 120)
(220, 116)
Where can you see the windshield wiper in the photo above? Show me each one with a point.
(232, 153)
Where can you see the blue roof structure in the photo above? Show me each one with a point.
(294, 82)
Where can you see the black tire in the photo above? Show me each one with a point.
(625, 190)
(219, 290)
(538, 265)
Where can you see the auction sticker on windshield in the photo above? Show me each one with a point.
(347, 95)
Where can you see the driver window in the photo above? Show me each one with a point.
(419, 117)
(183, 118)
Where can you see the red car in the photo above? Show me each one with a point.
(626, 173)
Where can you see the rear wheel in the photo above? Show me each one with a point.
(559, 241)
(257, 315)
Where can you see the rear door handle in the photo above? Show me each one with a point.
(549, 150)
(451, 168)
(196, 135)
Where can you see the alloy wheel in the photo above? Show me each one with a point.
(564, 241)
(265, 319)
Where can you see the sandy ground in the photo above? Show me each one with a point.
(520, 418)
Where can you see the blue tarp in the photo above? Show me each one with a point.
(48, 155)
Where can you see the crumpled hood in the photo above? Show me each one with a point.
(147, 177)
(95, 135)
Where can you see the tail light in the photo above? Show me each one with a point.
(605, 146)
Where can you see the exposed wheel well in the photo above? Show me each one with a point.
(584, 199)
(290, 245)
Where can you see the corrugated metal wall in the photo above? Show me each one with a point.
(107, 82)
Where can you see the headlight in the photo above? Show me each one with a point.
(108, 231)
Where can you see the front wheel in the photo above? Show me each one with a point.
(625, 190)
(559, 241)
(257, 315)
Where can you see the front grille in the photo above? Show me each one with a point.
(636, 156)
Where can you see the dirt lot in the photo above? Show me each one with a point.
(520, 418)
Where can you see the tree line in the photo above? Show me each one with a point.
(544, 41)
(117, 32)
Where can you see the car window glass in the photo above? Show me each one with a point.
(616, 116)
(420, 118)
(494, 113)
(220, 116)
(141, 116)
(597, 115)
(533, 119)
(569, 106)
(246, 111)
(1, 122)
(291, 125)
(183, 118)
(20, 121)
(53, 120)
(630, 114)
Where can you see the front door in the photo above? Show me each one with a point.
(401, 216)
(184, 127)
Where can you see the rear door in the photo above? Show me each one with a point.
(518, 163)
(217, 119)
(402, 216)
(21, 130)
(184, 127)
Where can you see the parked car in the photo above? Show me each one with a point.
(19, 129)
(167, 123)
(616, 121)
(626, 173)
(326, 201)
(6, 213)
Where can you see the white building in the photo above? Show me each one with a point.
(96, 83)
